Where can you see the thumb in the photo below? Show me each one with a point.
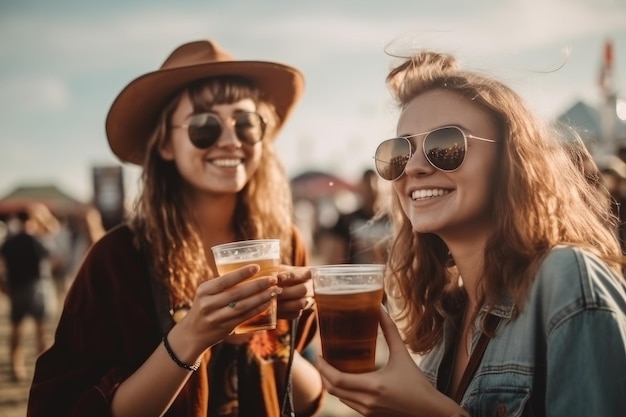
(392, 334)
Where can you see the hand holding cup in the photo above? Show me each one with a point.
(266, 254)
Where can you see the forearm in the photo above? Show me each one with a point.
(151, 390)
(307, 384)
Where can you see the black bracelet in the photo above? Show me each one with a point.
(177, 361)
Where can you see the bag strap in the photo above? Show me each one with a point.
(287, 409)
(491, 322)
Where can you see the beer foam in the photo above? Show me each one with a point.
(244, 259)
(348, 289)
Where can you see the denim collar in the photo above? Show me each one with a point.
(502, 309)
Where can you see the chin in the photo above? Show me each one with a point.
(424, 224)
(423, 229)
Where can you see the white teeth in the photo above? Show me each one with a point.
(226, 163)
(424, 194)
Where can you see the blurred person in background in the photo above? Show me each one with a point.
(504, 275)
(360, 236)
(147, 325)
(83, 230)
(78, 231)
(27, 265)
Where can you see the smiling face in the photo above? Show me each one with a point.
(449, 204)
(224, 168)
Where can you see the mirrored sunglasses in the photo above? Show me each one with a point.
(206, 128)
(444, 148)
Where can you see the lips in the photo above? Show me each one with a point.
(425, 194)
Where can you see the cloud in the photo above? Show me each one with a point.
(35, 94)
(16, 152)
(302, 31)
(530, 23)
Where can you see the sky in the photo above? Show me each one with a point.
(62, 63)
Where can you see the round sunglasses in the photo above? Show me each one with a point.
(444, 148)
(206, 128)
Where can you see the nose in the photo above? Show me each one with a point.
(418, 165)
(228, 136)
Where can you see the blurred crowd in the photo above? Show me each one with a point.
(66, 235)
(40, 253)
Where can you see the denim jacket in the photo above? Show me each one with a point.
(564, 355)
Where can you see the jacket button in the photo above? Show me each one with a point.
(501, 410)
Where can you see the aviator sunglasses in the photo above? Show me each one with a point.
(206, 128)
(444, 148)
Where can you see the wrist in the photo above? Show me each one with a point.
(180, 353)
(184, 365)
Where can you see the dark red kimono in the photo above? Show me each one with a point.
(111, 324)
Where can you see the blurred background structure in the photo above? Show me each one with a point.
(64, 62)
(601, 126)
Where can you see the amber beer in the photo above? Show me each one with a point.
(348, 301)
(266, 254)
(265, 320)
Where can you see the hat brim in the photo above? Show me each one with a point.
(134, 113)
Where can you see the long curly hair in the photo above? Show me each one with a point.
(162, 218)
(540, 199)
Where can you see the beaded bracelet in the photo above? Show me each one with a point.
(177, 361)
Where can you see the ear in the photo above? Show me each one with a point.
(165, 150)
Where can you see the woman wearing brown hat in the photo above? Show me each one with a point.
(145, 330)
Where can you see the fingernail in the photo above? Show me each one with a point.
(284, 276)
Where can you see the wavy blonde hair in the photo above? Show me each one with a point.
(163, 221)
(540, 199)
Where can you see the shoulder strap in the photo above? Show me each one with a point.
(287, 408)
(491, 323)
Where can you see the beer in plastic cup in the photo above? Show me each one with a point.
(348, 299)
(265, 253)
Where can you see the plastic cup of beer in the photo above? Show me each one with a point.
(348, 299)
(266, 254)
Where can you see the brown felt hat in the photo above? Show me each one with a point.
(133, 115)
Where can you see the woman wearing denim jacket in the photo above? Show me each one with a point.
(497, 232)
